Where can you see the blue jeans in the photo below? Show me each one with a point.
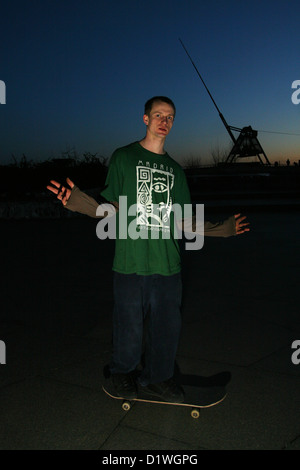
(155, 301)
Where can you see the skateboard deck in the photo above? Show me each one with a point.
(196, 397)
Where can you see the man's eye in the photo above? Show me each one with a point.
(170, 118)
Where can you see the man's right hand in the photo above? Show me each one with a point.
(62, 192)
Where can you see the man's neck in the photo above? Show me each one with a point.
(153, 145)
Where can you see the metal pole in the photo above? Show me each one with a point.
(220, 114)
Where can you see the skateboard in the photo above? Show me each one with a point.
(196, 397)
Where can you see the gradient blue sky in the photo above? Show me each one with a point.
(77, 74)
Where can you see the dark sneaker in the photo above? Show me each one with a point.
(125, 386)
(165, 391)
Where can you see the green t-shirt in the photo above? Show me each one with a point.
(146, 240)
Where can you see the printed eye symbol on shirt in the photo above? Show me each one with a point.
(160, 187)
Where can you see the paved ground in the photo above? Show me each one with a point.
(240, 314)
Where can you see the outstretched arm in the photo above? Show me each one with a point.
(78, 201)
(234, 225)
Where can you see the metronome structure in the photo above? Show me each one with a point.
(247, 144)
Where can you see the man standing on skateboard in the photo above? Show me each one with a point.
(147, 277)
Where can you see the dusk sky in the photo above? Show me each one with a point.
(78, 73)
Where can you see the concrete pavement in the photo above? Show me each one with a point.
(240, 314)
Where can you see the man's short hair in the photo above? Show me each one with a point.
(164, 99)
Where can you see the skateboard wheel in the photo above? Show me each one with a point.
(195, 414)
(126, 406)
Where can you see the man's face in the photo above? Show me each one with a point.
(161, 119)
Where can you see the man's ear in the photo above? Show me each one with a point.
(146, 119)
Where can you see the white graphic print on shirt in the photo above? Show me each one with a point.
(154, 202)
